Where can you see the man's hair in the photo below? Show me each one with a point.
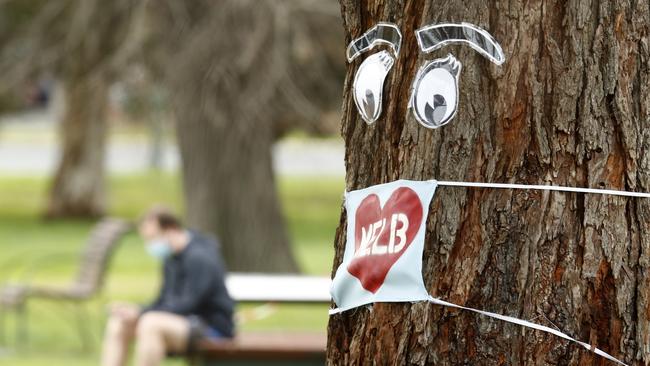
(165, 218)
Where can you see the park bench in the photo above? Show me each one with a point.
(88, 282)
(270, 348)
(286, 348)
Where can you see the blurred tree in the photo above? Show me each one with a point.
(242, 73)
(94, 40)
(14, 15)
(570, 106)
(85, 43)
(146, 103)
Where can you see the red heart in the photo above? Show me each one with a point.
(374, 258)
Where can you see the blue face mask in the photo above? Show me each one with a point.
(159, 249)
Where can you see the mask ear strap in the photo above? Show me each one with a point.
(381, 33)
(433, 37)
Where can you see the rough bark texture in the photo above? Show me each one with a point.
(571, 106)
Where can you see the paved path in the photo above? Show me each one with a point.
(28, 146)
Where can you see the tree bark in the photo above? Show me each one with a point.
(570, 106)
(78, 188)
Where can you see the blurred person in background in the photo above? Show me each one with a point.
(193, 303)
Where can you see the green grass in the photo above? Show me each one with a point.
(311, 205)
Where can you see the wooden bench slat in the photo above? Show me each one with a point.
(265, 346)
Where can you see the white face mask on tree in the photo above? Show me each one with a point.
(386, 229)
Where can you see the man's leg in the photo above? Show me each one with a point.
(158, 333)
(119, 331)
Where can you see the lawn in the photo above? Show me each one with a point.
(311, 205)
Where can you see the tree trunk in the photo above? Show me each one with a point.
(230, 191)
(570, 106)
(222, 79)
(91, 41)
(78, 188)
(243, 73)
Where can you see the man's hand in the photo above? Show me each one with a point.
(126, 311)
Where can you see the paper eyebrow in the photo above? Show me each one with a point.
(433, 37)
(381, 33)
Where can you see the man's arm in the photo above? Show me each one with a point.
(155, 305)
(197, 284)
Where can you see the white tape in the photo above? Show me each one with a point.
(334, 311)
(543, 187)
(548, 188)
(518, 321)
(528, 324)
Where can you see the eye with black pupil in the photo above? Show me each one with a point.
(435, 92)
(369, 103)
(438, 110)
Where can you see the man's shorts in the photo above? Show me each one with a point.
(199, 331)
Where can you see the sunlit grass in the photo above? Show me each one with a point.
(311, 206)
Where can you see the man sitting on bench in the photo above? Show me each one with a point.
(193, 302)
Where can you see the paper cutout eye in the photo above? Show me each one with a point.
(434, 95)
(368, 84)
(434, 98)
(432, 37)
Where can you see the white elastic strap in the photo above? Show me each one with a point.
(334, 311)
(543, 187)
(528, 324)
(517, 321)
